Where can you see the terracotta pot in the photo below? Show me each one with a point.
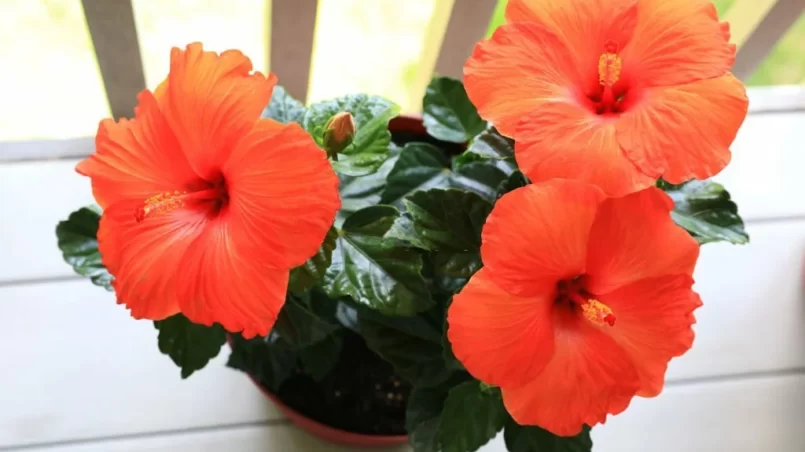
(400, 124)
(331, 434)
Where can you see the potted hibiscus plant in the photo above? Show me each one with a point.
(518, 259)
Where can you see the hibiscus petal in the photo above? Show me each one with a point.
(564, 140)
(211, 102)
(501, 339)
(136, 159)
(283, 193)
(654, 324)
(518, 68)
(589, 376)
(144, 257)
(585, 26)
(677, 42)
(684, 132)
(634, 238)
(537, 235)
(229, 283)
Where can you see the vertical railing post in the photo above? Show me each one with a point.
(114, 37)
(293, 24)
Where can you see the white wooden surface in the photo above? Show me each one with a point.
(80, 376)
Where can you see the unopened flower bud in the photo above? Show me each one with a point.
(338, 133)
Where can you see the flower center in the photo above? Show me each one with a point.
(609, 95)
(214, 195)
(571, 293)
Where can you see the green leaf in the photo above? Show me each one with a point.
(534, 439)
(298, 325)
(270, 362)
(513, 182)
(403, 230)
(370, 145)
(419, 167)
(447, 348)
(79, 246)
(448, 219)
(191, 346)
(704, 209)
(302, 278)
(490, 144)
(470, 418)
(422, 414)
(373, 270)
(411, 344)
(449, 222)
(320, 358)
(364, 191)
(481, 177)
(448, 113)
(283, 107)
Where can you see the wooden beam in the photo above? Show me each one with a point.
(114, 37)
(744, 16)
(468, 23)
(765, 36)
(293, 23)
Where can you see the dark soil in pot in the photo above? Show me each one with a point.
(362, 394)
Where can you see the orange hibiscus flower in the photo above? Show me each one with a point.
(206, 207)
(613, 92)
(580, 304)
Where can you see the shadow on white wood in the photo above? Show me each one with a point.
(77, 366)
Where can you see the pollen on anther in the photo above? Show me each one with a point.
(598, 313)
(159, 204)
(609, 68)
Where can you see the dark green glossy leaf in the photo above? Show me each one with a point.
(283, 107)
(704, 209)
(448, 219)
(481, 177)
(320, 358)
(79, 246)
(449, 223)
(490, 144)
(299, 326)
(374, 270)
(411, 344)
(448, 113)
(471, 417)
(420, 166)
(513, 182)
(493, 148)
(370, 145)
(423, 412)
(189, 345)
(364, 191)
(534, 439)
(269, 361)
(403, 229)
(302, 278)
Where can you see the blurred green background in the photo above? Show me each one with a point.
(53, 88)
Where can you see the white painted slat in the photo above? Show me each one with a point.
(764, 176)
(753, 318)
(752, 321)
(77, 366)
(754, 415)
(764, 179)
(34, 196)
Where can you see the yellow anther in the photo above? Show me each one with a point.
(598, 313)
(609, 68)
(159, 204)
